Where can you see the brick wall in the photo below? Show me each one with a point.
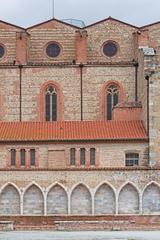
(9, 94)
(110, 30)
(8, 40)
(41, 35)
(107, 154)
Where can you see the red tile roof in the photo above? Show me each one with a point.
(72, 130)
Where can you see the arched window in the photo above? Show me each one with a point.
(51, 104)
(112, 98)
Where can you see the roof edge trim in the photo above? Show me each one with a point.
(52, 19)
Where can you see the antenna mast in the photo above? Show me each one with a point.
(53, 8)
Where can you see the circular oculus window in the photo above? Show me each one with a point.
(53, 50)
(2, 51)
(110, 49)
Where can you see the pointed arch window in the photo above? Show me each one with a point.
(51, 104)
(112, 98)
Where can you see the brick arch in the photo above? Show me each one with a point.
(104, 200)
(151, 199)
(33, 201)
(9, 200)
(103, 94)
(128, 199)
(42, 100)
(81, 200)
(57, 200)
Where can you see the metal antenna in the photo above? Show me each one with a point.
(53, 8)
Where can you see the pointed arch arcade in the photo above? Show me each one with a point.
(104, 200)
(57, 200)
(151, 199)
(81, 200)
(9, 200)
(128, 199)
(33, 200)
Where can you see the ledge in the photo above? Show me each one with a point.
(74, 169)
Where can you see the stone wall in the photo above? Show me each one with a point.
(80, 192)
(9, 201)
(33, 201)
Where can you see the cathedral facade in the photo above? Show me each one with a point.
(79, 119)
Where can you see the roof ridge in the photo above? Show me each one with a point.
(111, 18)
(11, 24)
(52, 19)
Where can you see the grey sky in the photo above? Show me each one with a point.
(29, 12)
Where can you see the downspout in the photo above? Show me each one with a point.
(147, 78)
(136, 81)
(148, 135)
(81, 88)
(20, 92)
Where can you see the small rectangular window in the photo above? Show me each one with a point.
(92, 156)
(73, 156)
(82, 156)
(23, 157)
(32, 157)
(132, 159)
(13, 157)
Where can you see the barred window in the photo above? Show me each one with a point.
(51, 104)
(132, 159)
(73, 156)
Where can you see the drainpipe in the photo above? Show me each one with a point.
(148, 135)
(81, 79)
(136, 81)
(20, 92)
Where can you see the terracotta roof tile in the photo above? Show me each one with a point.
(72, 130)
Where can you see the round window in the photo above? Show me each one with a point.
(2, 51)
(53, 50)
(110, 49)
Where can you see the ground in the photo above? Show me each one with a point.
(80, 235)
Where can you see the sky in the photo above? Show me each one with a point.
(26, 13)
